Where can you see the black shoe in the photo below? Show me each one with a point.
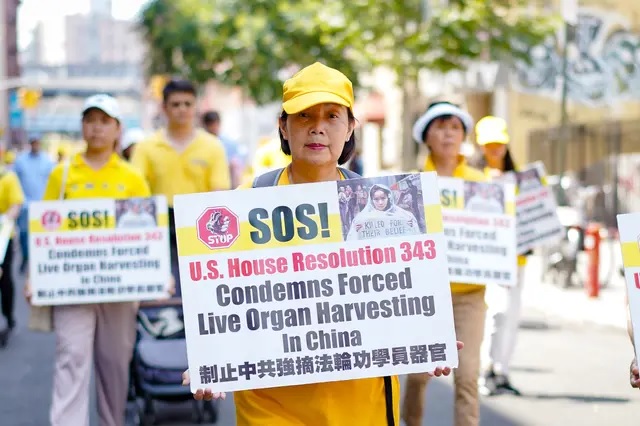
(487, 385)
(505, 386)
(4, 337)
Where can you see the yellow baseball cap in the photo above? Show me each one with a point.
(314, 85)
(492, 130)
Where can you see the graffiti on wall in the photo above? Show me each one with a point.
(603, 65)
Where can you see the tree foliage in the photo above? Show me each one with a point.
(256, 44)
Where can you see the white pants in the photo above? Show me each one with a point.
(100, 335)
(504, 306)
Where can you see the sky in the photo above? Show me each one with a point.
(33, 11)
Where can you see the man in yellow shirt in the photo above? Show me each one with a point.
(11, 200)
(181, 159)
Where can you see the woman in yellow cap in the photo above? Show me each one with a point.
(443, 128)
(316, 131)
(504, 303)
(93, 336)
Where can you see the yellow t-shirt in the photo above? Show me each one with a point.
(116, 179)
(358, 402)
(10, 190)
(201, 167)
(466, 172)
(522, 260)
(269, 157)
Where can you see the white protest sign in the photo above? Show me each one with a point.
(536, 210)
(6, 232)
(99, 250)
(629, 229)
(274, 294)
(480, 228)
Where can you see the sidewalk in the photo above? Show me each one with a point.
(573, 304)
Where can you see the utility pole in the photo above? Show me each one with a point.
(564, 115)
(570, 20)
(4, 113)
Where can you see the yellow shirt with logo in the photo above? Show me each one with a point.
(466, 172)
(10, 190)
(201, 167)
(358, 402)
(116, 179)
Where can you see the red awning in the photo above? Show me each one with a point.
(371, 109)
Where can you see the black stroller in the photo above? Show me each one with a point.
(159, 359)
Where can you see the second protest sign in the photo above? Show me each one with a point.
(314, 283)
(480, 225)
(99, 251)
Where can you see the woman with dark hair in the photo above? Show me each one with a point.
(443, 128)
(316, 130)
(503, 303)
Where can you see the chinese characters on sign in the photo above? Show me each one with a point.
(101, 250)
(326, 363)
(314, 283)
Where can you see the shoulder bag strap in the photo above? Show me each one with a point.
(348, 174)
(270, 178)
(388, 400)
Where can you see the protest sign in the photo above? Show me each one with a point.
(99, 250)
(536, 209)
(6, 232)
(314, 283)
(629, 229)
(480, 227)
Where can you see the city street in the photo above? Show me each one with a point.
(566, 370)
(394, 149)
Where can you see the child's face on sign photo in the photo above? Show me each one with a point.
(380, 200)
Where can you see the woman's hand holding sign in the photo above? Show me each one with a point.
(208, 394)
(634, 374)
(446, 370)
(27, 290)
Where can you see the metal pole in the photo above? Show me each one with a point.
(569, 10)
(564, 116)
(4, 106)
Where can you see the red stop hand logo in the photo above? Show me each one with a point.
(51, 220)
(218, 227)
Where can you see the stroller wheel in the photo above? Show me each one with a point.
(148, 420)
(198, 412)
(132, 414)
(211, 408)
(148, 415)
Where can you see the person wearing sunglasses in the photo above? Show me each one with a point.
(181, 158)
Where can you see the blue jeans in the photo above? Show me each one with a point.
(23, 226)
